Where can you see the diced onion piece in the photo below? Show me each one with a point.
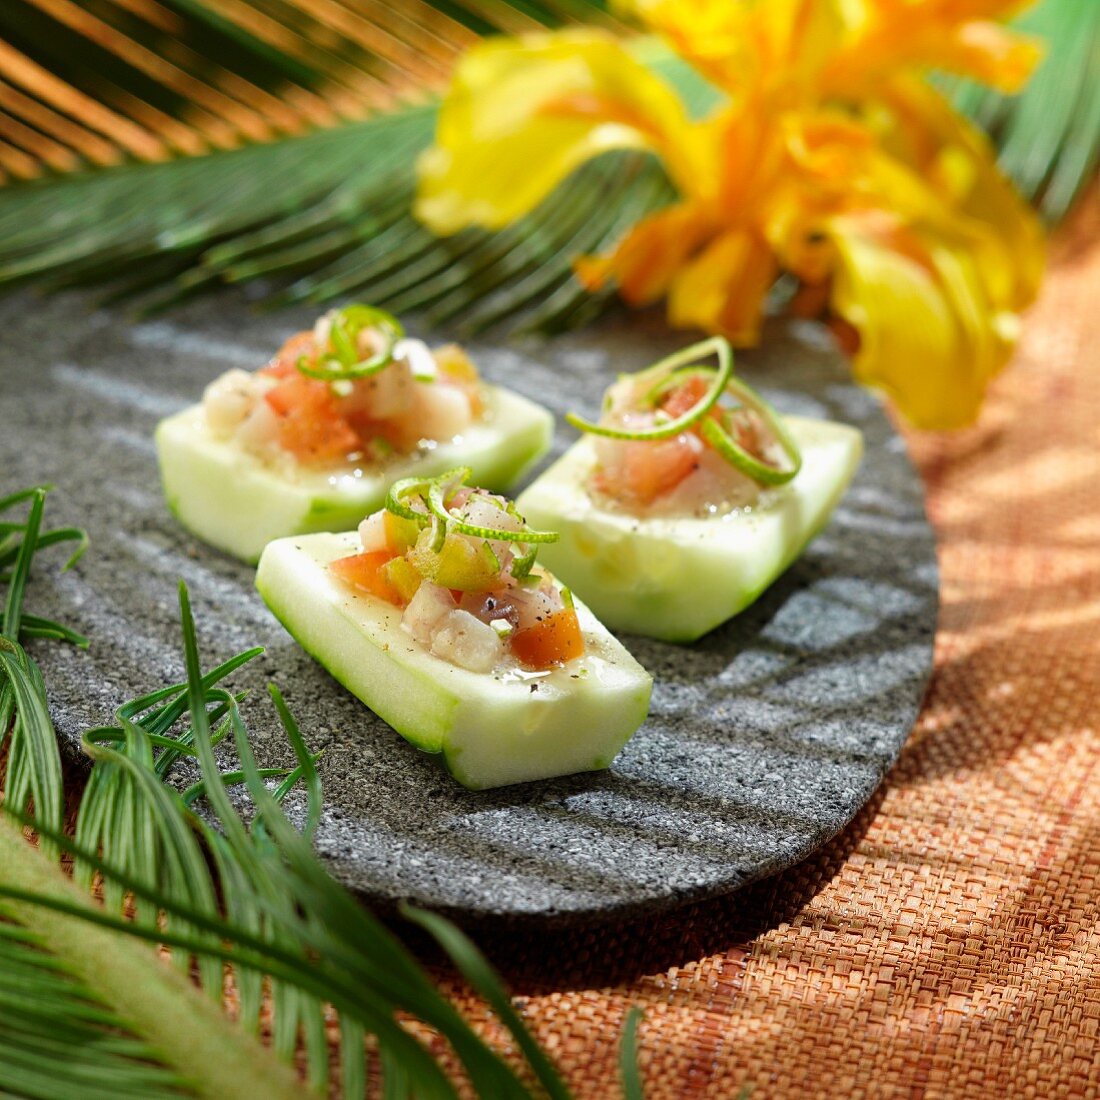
(442, 411)
(260, 428)
(533, 605)
(228, 400)
(322, 327)
(467, 642)
(419, 358)
(425, 611)
(373, 534)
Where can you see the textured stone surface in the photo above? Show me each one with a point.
(764, 738)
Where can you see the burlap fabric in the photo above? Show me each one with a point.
(948, 943)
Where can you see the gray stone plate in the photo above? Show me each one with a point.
(764, 738)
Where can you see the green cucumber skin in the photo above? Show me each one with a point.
(488, 733)
(234, 502)
(676, 580)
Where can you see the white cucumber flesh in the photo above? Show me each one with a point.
(491, 729)
(238, 503)
(675, 579)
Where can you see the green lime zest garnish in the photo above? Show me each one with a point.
(408, 487)
(343, 362)
(420, 488)
(673, 371)
(437, 506)
(433, 494)
(763, 472)
(716, 345)
(439, 535)
(677, 378)
(521, 566)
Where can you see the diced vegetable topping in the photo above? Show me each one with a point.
(459, 561)
(555, 640)
(310, 425)
(664, 425)
(351, 390)
(342, 358)
(368, 572)
(666, 432)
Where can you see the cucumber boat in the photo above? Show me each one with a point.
(676, 511)
(435, 615)
(311, 441)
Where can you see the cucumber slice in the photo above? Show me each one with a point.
(232, 500)
(491, 730)
(676, 579)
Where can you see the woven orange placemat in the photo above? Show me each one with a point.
(948, 943)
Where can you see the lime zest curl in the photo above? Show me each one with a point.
(433, 494)
(716, 345)
(408, 486)
(762, 472)
(343, 363)
(673, 370)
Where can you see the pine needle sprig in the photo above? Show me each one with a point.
(87, 1005)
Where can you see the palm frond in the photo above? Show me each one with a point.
(215, 889)
(108, 81)
(337, 222)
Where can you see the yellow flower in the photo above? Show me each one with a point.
(829, 158)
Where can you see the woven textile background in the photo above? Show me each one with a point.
(948, 943)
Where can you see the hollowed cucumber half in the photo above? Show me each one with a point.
(675, 579)
(491, 729)
(238, 503)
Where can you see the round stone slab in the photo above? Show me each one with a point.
(764, 738)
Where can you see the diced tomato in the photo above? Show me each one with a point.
(641, 471)
(298, 392)
(366, 571)
(686, 395)
(553, 641)
(285, 363)
(311, 426)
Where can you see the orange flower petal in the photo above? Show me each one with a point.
(648, 258)
(722, 289)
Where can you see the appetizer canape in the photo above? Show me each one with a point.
(688, 497)
(434, 614)
(310, 441)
